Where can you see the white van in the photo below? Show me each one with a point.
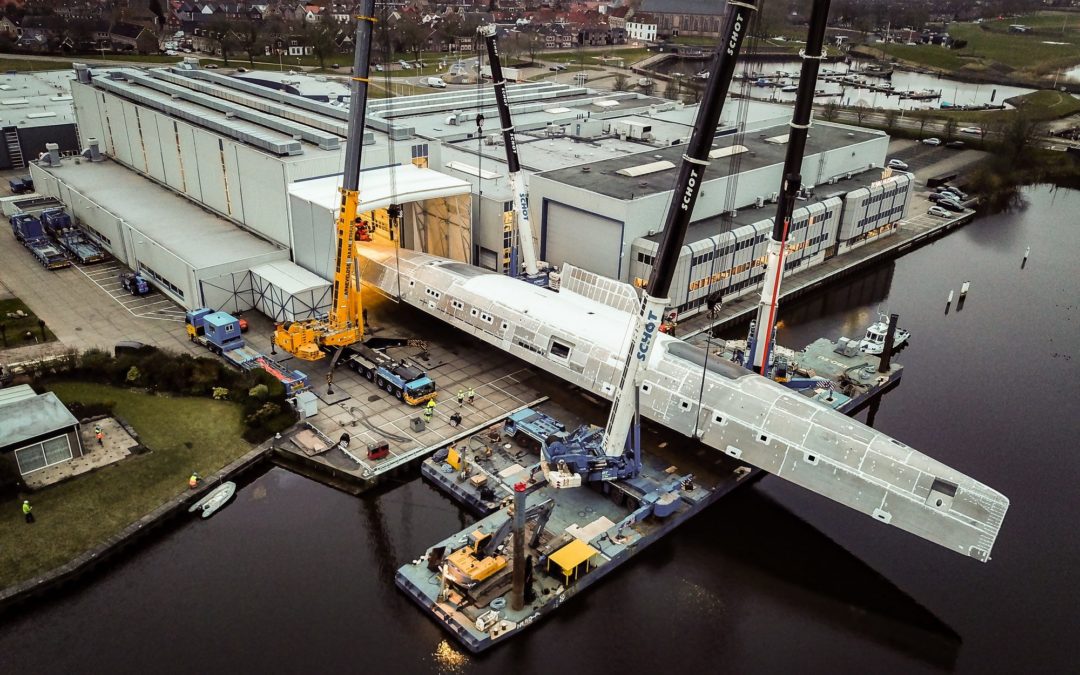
(436, 82)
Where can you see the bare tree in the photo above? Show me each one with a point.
(1017, 134)
(949, 128)
(620, 83)
(671, 90)
(891, 116)
(320, 37)
(831, 111)
(250, 38)
(221, 31)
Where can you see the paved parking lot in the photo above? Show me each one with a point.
(154, 305)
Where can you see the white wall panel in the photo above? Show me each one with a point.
(264, 192)
(148, 123)
(234, 194)
(211, 172)
(189, 161)
(132, 126)
(115, 129)
(170, 153)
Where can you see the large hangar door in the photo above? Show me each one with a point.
(586, 240)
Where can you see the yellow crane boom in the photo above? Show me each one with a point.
(343, 326)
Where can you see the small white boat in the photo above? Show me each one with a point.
(214, 500)
(874, 341)
(789, 88)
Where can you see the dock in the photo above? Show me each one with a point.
(579, 535)
(913, 232)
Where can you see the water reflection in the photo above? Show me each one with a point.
(952, 91)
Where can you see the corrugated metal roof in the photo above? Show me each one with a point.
(29, 417)
(16, 393)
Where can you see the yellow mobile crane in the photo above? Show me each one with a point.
(343, 326)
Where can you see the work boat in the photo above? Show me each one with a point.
(874, 341)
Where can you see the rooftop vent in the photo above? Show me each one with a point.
(727, 152)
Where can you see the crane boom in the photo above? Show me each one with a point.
(761, 339)
(566, 465)
(517, 176)
(343, 326)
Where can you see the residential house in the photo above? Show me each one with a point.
(641, 27)
(133, 37)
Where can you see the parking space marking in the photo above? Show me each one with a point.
(105, 278)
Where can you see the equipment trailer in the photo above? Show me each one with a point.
(404, 380)
(29, 231)
(59, 226)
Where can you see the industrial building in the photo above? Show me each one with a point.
(35, 109)
(267, 163)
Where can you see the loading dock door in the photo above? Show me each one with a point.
(583, 239)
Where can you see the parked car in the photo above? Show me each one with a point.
(957, 192)
(436, 82)
(378, 67)
(950, 204)
(335, 66)
(975, 131)
(897, 164)
(931, 141)
(211, 66)
(955, 145)
(557, 67)
(939, 212)
(938, 196)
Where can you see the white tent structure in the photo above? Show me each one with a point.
(436, 213)
(287, 292)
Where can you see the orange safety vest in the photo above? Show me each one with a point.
(193, 481)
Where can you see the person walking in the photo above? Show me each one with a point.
(472, 394)
(429, 410)
(27, 509)
(100, 436)
(460, 397)
(193, 482)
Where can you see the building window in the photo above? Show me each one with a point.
(420, 155)
(162, 280)
(43, 454)
(559, 349)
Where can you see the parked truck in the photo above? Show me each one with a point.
(134, 283)
(404, 380)
(30, 233)
(59, 226)
(220, 333)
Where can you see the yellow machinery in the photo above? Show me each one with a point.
(311, 339)
(472, 563)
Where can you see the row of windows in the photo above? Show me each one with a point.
(894, 211)
(756, 262)
(162, 280)
(419, 151)
(887, 194)
(97, 234)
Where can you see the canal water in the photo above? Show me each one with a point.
(296, 577)
(952, 91)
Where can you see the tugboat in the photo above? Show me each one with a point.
(874, 341)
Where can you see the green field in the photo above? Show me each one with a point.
(28, 65)
(16, 327)
(183, 434)
(994, 49)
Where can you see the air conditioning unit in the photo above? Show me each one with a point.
(832, 181)
(773, 197)
(759, 202)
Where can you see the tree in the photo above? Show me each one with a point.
(251, 38)
(320, 37)
(621, 83)
(221, 31)
(409, 36)
(1018, 133)
(831, 111)
(922, 124)
(950, 128)
(671, 90)
(890, 118)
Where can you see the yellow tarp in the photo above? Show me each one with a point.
(570, 556)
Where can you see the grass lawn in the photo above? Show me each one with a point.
(1032, 54)
(15, 327)
(1038, 106)
(184, 434)
(28, 65)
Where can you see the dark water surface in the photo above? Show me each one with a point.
(294, 577)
